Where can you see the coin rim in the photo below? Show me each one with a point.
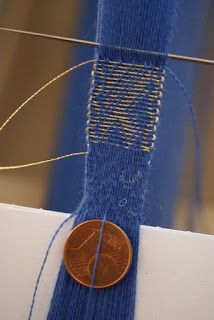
(128, 264)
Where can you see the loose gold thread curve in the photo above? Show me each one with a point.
(59, 76)
(32, 164)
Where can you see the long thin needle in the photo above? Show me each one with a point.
(96, 44)
(53, 37)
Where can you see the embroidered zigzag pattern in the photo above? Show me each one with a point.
(124, 104)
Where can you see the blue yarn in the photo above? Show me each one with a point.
(44, 263)
(136, 24)
(198, 171)
(117, 166)
(88, 312)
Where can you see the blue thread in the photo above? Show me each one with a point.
(198, 193)
(87, 312)
(43, 264)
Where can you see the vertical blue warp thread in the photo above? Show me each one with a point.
(124, 107)
(198, 158)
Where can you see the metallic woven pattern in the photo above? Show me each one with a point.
(124, 104)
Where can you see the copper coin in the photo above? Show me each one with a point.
(115, 255)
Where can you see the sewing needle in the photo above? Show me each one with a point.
(96, 44)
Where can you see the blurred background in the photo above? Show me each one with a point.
(54, 123)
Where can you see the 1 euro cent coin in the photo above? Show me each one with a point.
(81, 253)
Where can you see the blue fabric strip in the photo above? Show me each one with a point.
(136, 24)
(123, 112)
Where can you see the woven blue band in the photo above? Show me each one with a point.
(123, 116)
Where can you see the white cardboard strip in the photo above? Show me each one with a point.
(175, 269)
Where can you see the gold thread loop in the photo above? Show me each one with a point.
(59, 76)
(20, 107)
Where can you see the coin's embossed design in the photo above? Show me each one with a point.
(112, 241)
(115, 254)
(91, 236)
